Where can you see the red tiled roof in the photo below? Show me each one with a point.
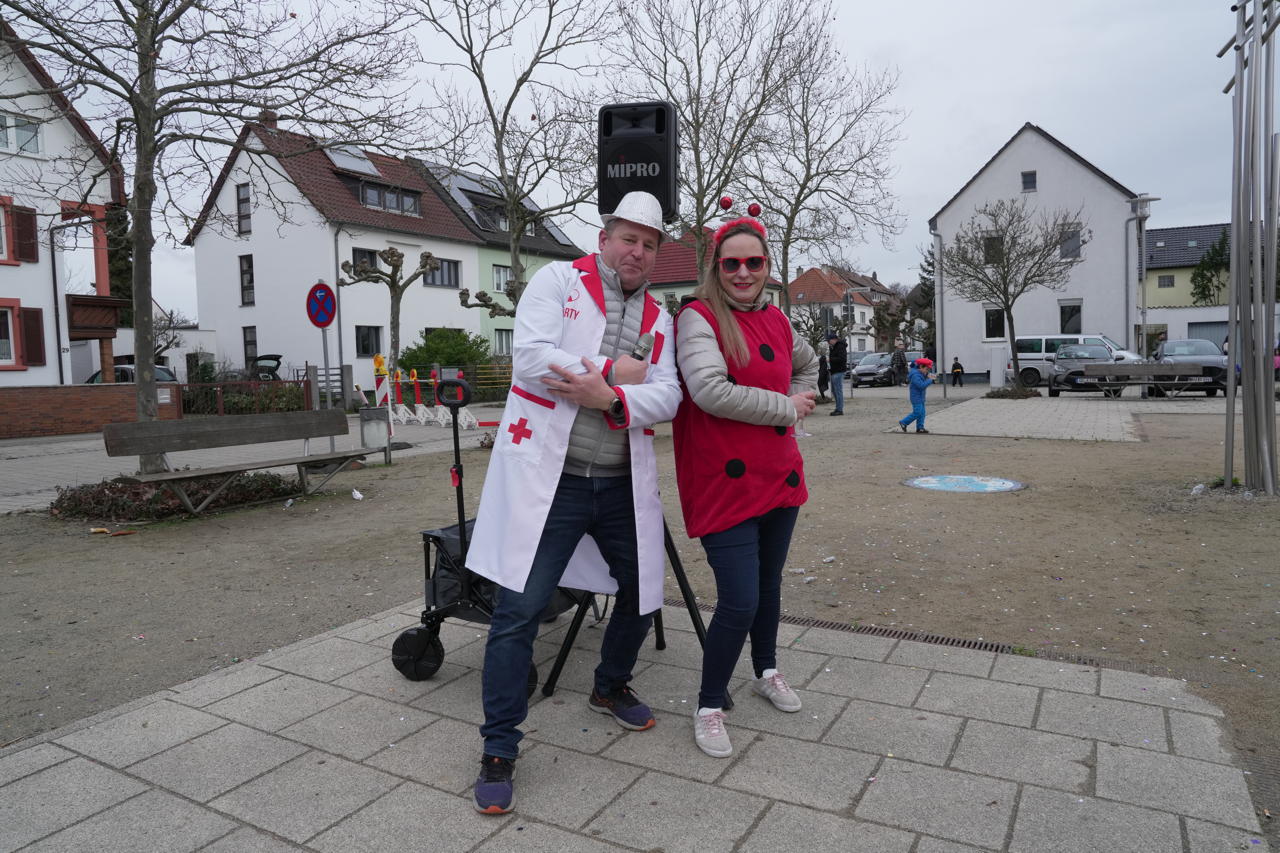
(822, 286)
(317, 178)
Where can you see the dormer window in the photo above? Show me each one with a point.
(407, 202)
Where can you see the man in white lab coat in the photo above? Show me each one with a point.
(571, 494)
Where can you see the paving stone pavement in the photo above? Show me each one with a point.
(901, 747)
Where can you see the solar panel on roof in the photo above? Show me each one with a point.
(352, 159)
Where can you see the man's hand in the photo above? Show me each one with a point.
(804, 403)
(629, 371)
(586, 389)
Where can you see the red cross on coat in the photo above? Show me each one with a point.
(520, 431)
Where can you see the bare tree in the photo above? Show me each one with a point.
(813, 321)
(1007, 249)
(724, 65)
(169, 82)
(516, 55)
(822, 171)
(169, 326)
(397, 283)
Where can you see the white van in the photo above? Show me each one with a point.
(1032, 349)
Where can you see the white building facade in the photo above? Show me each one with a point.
(275, 226)
(52, 230)
(1100, 296)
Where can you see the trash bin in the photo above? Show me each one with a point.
(375, 427)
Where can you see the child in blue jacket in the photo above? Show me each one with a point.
(919, 380)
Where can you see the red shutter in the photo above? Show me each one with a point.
(26, 238)
(32, 336)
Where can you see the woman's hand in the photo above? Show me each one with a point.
(804, 403)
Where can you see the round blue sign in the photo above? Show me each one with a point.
(322, 305)
(963, 483)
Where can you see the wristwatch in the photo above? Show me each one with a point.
(616, 410)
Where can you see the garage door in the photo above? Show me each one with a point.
(1216, 331)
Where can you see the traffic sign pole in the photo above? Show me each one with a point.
(322, 306)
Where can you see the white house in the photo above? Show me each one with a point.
(276, 224)
(820, 294)
(1100, 296)
(51, 295)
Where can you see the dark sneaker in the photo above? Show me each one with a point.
(925, 431)
(902, 426)
(494, 791)
(625, 707)
(836, 413)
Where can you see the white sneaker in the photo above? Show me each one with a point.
(710, 734)
(776, 690)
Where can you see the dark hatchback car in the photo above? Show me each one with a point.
(875, 368)
(124, 373)
(1067, 373)
(1195, 351)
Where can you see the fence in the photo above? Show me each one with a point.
(248, 397)
(489, 382)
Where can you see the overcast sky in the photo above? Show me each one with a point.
(1134, 87)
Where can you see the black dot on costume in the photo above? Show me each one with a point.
(732, 381)
(766, 352)
(735, 468)
(780, 430)
(793, 479)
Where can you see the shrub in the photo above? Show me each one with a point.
(1012, 392)
(446, 346)
(112, 500)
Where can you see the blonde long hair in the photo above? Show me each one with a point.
(709, 290)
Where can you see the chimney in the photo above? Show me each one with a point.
(799, 269)
(267, 118)
(873, 275)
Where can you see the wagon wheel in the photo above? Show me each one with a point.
(417, 653)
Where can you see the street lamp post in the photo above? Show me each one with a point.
(1140, 205)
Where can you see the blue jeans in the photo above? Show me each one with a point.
(602, 507)
(917, 415)
(837, 389)
(747, 560)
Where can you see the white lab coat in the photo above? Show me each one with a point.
(561, 319)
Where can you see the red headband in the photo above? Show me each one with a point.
(754, 224)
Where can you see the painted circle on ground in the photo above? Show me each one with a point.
(963, 483)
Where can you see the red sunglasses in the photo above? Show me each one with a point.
(755, 263)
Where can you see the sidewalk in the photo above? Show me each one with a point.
(902, 747)
(30, 468)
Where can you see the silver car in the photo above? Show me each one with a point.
(1068, 370)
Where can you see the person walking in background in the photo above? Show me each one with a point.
(839, 363)
(898, 361)
(824, 377)
(922, 377)
(957, 373)
(748, 377)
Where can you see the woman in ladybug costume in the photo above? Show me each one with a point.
(747, 378)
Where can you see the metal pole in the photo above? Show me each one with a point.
(1142, 288)
(1264, 392)
(324, 350)
(939, 337)
(1237, 239)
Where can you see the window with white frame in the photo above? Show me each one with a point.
(8, 352)
(993, 323)
(368, 341)
(368, 257)
(246, 279)
(1069, 242)
(501, 278)
(1164, 281)
(502, 341)
(4, 232)
(446, 275)
(19, 135)
(244, 210)
(1070, 316)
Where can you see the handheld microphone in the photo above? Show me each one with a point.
(644, 346)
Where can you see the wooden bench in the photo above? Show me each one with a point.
(1166, 378)
(163, 437)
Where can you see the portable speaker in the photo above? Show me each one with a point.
(638, 152)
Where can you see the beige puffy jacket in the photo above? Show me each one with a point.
(703, 369)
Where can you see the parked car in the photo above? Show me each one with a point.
(876, 368)
(125, 373)
(1034, 366)
(1212, 361)
(1068, 369)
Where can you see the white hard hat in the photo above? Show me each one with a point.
(639, 207)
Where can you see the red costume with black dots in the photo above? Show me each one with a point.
(729, 471)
